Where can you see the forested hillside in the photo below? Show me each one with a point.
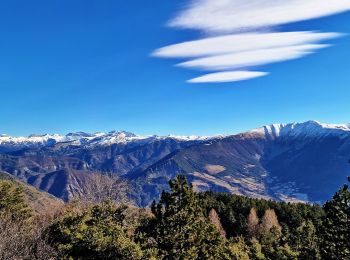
(183, 224)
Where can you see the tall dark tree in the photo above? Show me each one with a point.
(180, 229)
(336, 226)
(307, 241)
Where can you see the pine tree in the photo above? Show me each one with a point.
(307, 241)
(336, 226)
(180, 229)
(239, 249)
(255, 249)
(12, 201)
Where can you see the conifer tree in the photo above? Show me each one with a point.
(215, 220)
(253, 222)
(96, 233)
(255, 249)
(307, 241)
(239, 249)
(269, 221)
(336, 226)
(180, 229)
(12, 201)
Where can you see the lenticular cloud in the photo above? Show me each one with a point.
(240, 15)
(239, 43)
(245, 35)
(227, 76)
(252, 58)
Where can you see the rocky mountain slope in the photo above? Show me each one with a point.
(293, 162)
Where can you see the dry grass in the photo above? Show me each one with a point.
(214, 169)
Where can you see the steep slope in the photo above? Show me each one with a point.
(294, 162)
(40, 201)
(64, 184)
(61, 168)
(229, 165)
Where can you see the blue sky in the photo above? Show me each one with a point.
(80, 65)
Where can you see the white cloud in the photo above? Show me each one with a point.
(251, 58)
(236, 15)
(228, 76)
(245, 35)
(240, 42)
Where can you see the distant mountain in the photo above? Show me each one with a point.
(290, 162)
(9, 143)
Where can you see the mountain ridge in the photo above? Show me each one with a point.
(310, 127)
(290, 162)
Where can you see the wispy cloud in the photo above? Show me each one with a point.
(245, 37)
(251, 58)
(240, 43)
(228, 76)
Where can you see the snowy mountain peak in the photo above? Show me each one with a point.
(124, 134)
(82, 138)
(307, 129)
(30, 139)
(300, 130)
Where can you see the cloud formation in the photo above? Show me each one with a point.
(251, 58)
(245, 35)
(239, 43)
(237, 15)
(227, 76)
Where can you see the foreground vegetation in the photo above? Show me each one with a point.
(182, 225)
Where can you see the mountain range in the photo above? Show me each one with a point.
(286, 162)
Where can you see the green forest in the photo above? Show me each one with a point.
(182, 224)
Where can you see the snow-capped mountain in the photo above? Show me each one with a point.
(81, 138)
(291, 162)
(307, 129)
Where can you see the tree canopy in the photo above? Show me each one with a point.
(183, 224)
(336, 226)
(180, 228)
(12, 201)
(96, 233)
